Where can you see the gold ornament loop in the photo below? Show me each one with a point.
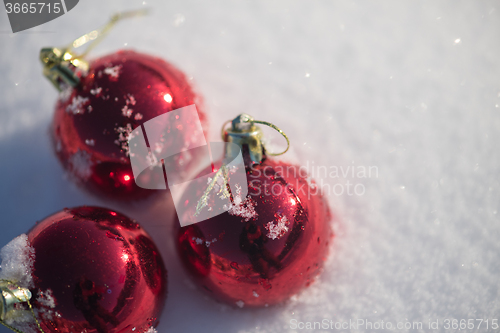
(279, 131)
(97, 35)
(244, 118)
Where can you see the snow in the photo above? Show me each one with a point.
(113, 72)
(388, 86)
(130, 99)
(17, 258)
(47, 304)
(126, 112)
(123, 135)
(242, 208)
(90, 142)
(96, 91)
(46, 299)
(278, 230)
(77, 103)
(65, 93)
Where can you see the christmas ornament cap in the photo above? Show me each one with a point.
(9, 297)
(58, 63)
(244, 133)
(57, 66)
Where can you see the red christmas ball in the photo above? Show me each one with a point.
(265, 247)
(92, 121)
(94, 270)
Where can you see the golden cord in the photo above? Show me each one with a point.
(56, 61)
(252, 121)
(97, 35)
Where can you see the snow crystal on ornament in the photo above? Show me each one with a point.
(123, 135)
(152, 160)
(96, 91)
(278, 230)
(151, 330)
(90, 142)
(243, 208)
(77, 103)
(65, 93)
(198, 240)
(126, 112)
(113, 72)
(233, 169)
(138, 116)
(18, 258)
(130, 99)
(81, 164)
(46, 298)
(207, 243)
(47, 301)
(159, 146)
(240, 304)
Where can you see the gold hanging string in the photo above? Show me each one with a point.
(253, 121)
(279, 131)
(56, 60)
(21, 301)
(97, 35)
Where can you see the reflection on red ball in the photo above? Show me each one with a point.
(92, 121)
(102, 270)
(266, 249)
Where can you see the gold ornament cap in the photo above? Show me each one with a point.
(9, 297)
(60, 64)
(245, 133)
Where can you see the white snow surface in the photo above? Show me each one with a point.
(411, 88)
(16, 262)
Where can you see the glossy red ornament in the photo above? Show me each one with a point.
(267, 246)
(95, 270)
(92, 121)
